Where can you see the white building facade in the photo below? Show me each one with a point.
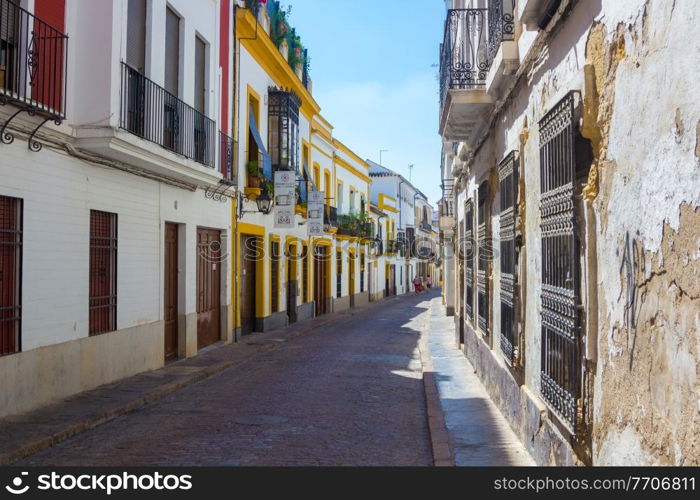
(105, 211)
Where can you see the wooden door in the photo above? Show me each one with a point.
(208, 287)
(171, 292)
(321, 281)
(248, 278)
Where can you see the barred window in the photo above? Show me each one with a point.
(508, 178)
(339, 274)
(483, 259)
(103, 272)
(10, 275)
(305, 275)
(561, 335)
(469, 257)
(274, 276)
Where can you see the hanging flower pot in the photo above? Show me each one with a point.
(297, 52)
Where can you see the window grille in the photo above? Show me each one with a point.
(274, 276)
(483, 257)
(469, 256)
(103, 272)
(508, 178)
(10, 275)
(560, 350)
(339, 274)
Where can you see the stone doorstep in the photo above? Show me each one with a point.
(28, 433)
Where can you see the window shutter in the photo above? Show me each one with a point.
(199, 74)
(136, 35)
(172, 52)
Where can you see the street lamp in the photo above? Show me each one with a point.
(263, 202)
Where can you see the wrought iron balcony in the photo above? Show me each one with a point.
(471, 41)
(32, 62)
(426, 226)
(501, 24)
(152, 113)
(227, 152)
(353, 225)
(464, 55)
(330, 217)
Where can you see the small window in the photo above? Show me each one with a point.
(103, 272)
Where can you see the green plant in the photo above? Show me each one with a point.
(253, 169)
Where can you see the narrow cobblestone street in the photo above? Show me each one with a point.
(350, 393)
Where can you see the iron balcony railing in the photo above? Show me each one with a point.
(227, 152)
(154, 114)
(352, 225)
(471, 40)
(330, 217)
(33, 59)
(426, 226)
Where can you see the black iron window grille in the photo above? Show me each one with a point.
(483, 259)
(10, 275)
(501, 24)
(283, 129)
(305, 275)
(508, 178)
(227, 152)
(561, 306)
(274, 276)
(103, 272)
(469, 257)
(362, 273)
(464, 59)
(33, 58)
(154, 114)
(339, 274)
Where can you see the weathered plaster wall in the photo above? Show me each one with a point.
(634, 66)
(648, 204)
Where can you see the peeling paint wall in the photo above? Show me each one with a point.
(635, 63)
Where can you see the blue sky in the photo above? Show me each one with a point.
(374, 76)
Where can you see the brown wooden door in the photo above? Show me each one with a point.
(321, 281)
(171, 292)
(248, 278)
(208, 287)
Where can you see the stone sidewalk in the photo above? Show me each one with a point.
(25, 434)
(476, 431)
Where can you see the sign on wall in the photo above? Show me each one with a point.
(285, 199)
(315, 213)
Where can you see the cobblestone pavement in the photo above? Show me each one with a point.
(349, 393)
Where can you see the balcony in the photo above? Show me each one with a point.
(473, 40)
(426, 226)
(355, 226)
(159, 134)
(152, 113)
(227, 164)
(330, 218)
(32, 65)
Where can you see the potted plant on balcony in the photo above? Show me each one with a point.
(253, 174)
